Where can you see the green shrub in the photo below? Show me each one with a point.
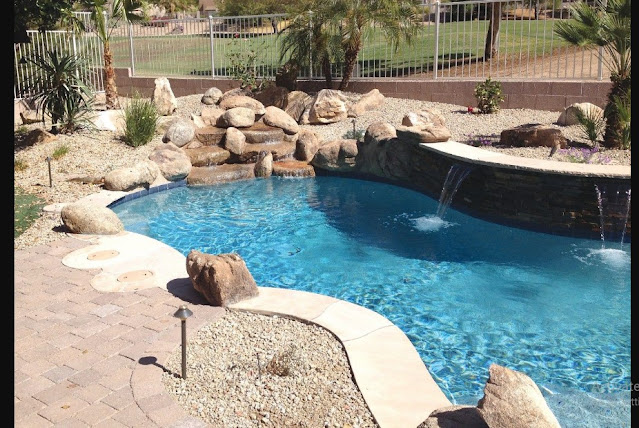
(622, 106)
(140, 121)
(60, 152)
(60, 92)
(353, 134)
(591, 123)
(489, 96)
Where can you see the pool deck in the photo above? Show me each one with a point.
(93, 325)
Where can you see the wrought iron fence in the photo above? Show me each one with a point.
(456, 40)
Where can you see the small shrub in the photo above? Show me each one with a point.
(282, 363)
(60, 152)
(21, 130)
(489, 96)
(482, 140)
(355, 134)
(591, 123)
(19, 165)
(622, 105)
(140, 121)
(27, 209)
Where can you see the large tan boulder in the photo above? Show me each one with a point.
(533, 135)
(329, 106)
(207, 155)
(163, 97)
(211, 96)
(91, 219)
(124, 179)
(337, 155)
(238, 117)
(512, 400)
(243, 101)
(296, 103)
(278, 118)
(569, 115)
(222, 279)
(428, 116)
(215, 174)
(264, 165)
(174, 164)
(371, 100)
(210, 114)
(307, 144)
(235, 141)
(180, 132)
(423, 133)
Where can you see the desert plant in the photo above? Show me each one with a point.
(243, 69)
(489, 96)
(584, 155)
(355, 134)
(60, 92)
(591, 122)
(607, 25)
(622, 105)
(140, 121)
(19, 165)
(27, 208)
(60, 152)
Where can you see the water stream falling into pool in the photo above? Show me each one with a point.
(456, 174)
(615, 208)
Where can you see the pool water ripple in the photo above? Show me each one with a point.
(466, 292)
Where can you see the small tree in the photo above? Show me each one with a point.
(606, 25)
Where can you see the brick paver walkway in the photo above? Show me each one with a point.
(87, 358)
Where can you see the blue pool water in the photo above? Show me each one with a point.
(466, 292)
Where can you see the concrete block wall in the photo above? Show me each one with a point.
(551, 95)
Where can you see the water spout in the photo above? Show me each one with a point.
(614, 211)
(456, 174)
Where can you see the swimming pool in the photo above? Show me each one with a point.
(466, 292)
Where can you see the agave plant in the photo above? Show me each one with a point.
(60, 92)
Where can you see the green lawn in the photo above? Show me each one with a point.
(191, 54)
(27, 209)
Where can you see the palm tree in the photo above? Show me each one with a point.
(398, 19)
(307, 40)
(344, 21)
(120, 10)
(605, 25)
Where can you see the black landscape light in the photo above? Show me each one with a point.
(48, 159)
(183, 313)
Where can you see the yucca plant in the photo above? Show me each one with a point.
(60, 92)
(591, 122)
(140, 121)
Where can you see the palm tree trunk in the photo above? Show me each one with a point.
(326, 69)
(110, 89)
(493, 31)
(350, 57)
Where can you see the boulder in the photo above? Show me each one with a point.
(367, 102)
(179, 132)
(278, 118)
(429, 116)
(211, 96)
(423, 133)
(329, 106)
(39, 136)
(235, 141)
(220, 174)
(243, 101)
(293, 168)
(235, 91)
(109, 120)
(281, 150)
(207, 155)
(337, 155)
(174, 164)
(455, 416)
(307, 144)
(264, 164)
(125, 179)
(238, 117)
(163, 98)
(533, 135)
(296, 103)
(273, 96)
(261, 133)
(569, 115)
(197, 121)
(379, 131)
(222, 279)
(210, 135)
(92, 219)
(512, 400)
(210, 114)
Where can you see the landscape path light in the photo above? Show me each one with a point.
(48, 159)
(183, 313)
